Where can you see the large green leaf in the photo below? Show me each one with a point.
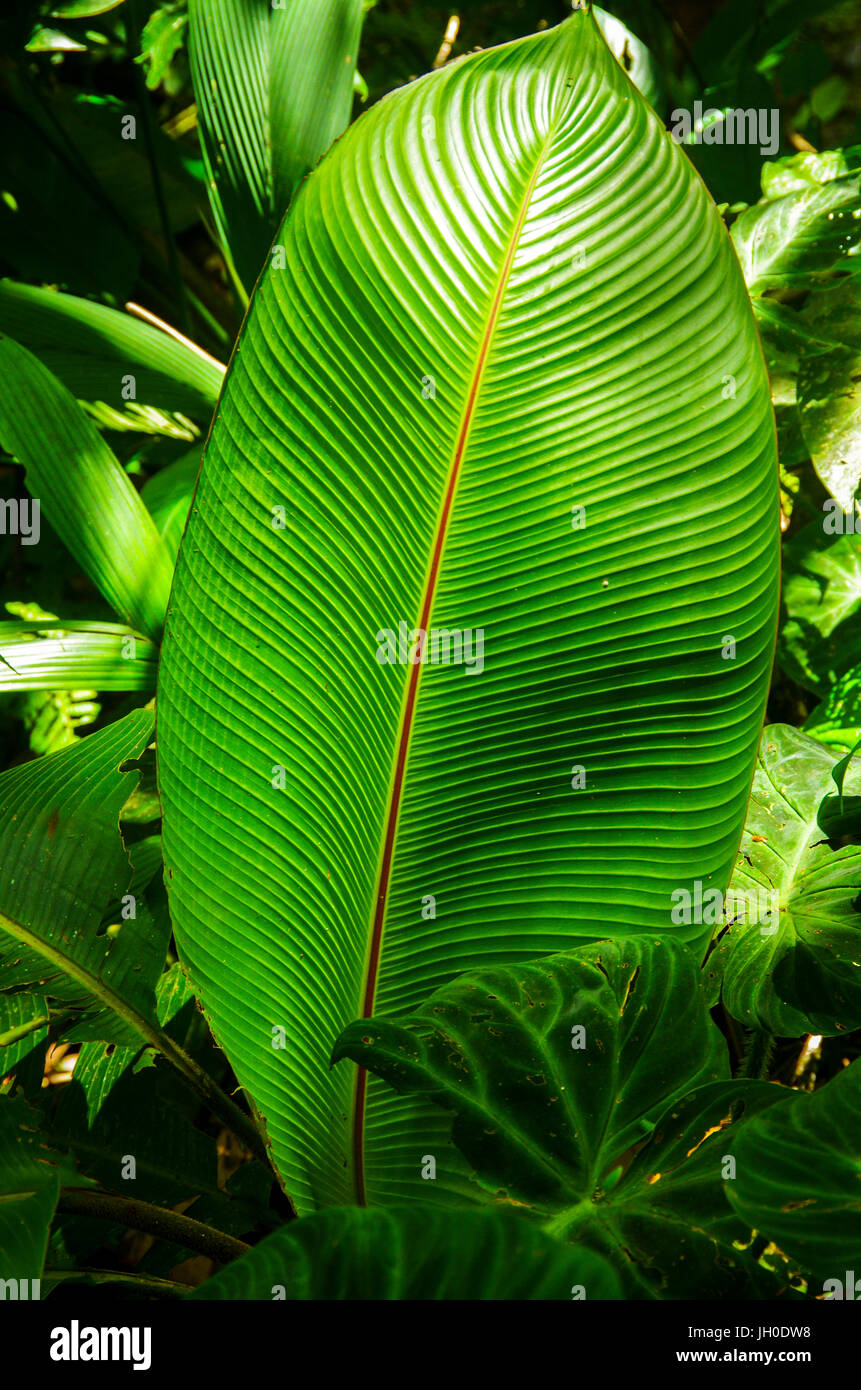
(274, 88)
(555, 1071)
(88, 498)
(413, 1253)
(504, 294)
(798, 1177)
(790, 956)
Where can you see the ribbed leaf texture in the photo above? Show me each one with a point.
(274, 87)
(504, 294)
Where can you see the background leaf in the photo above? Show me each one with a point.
(87, 497)
(23, 1026)
(412, 1253)
(274, 88)
(94, 350)
(62, 864)
(821, 637)
(34, 656)
(798, 971)
(798, 1175)
(29, 1186)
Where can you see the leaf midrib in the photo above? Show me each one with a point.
(407, 718)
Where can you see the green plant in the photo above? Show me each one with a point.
(520, 448)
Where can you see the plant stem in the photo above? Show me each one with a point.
(756, 1062)
(22, 1030)
(209, 1091)
(154, 1221)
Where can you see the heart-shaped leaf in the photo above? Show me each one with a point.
(555, 1072)
(554, 1068)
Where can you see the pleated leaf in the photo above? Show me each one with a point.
(274, 88)
(504, 295)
